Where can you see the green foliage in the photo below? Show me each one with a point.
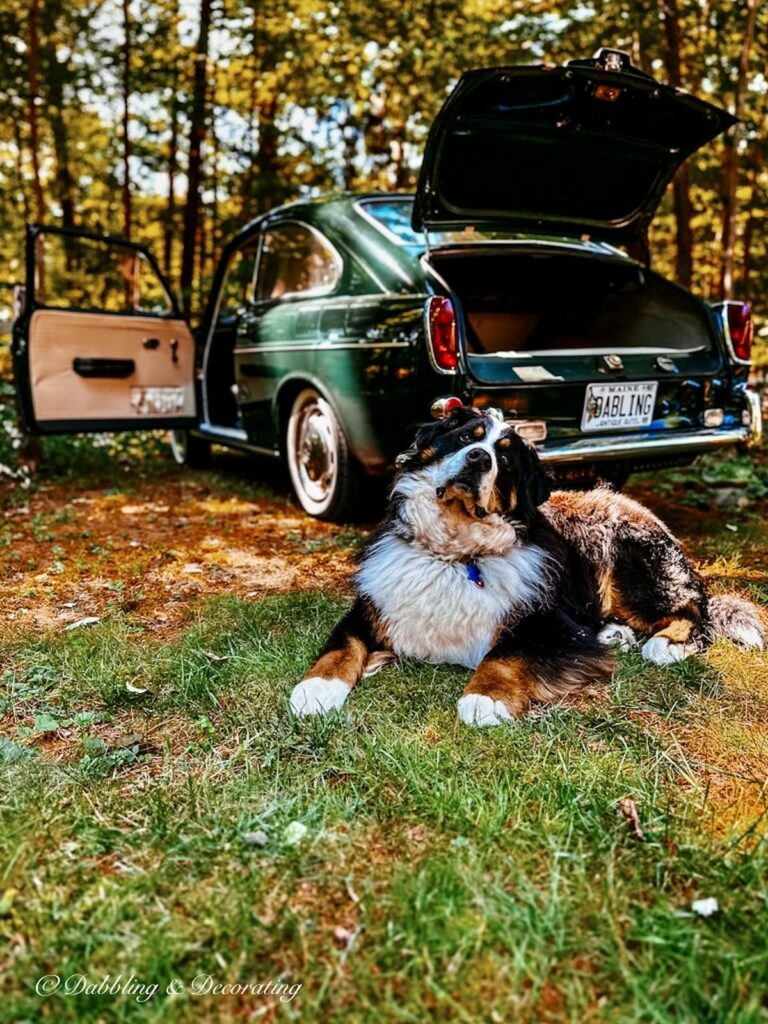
(332, 95)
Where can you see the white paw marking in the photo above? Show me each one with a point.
(614, 635)
(316, 696)
(748, 636)
(660, 651)
(476, 709)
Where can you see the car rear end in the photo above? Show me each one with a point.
(605, 364)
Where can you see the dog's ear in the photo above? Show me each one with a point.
(429, 434)
(533, 484)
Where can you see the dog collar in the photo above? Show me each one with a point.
(473, 574)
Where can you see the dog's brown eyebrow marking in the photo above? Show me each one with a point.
(479, 431)
(505, 442)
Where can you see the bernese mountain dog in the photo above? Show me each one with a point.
(478, 563)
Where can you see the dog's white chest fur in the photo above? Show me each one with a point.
(432, 610)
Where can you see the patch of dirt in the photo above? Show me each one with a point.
(71, 554)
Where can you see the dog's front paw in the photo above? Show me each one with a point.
(615, 635)
(661, 651)
(316, 696)
(477, 709)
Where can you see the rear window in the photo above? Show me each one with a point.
(393, 218)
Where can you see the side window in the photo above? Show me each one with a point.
(296, 261)
(75, 272)
(239, 280)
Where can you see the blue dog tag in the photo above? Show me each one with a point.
(473, 573)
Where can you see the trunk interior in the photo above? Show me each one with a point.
(537, 314)
(561, 307)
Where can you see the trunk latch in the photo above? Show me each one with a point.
(613, 362)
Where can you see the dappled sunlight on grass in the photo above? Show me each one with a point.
(395, 862)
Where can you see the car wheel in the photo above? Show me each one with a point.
(323, 474)
(189, 450)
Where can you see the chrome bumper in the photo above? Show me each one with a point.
(647, 446)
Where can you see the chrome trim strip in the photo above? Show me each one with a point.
(642, 446)
(755, 409)
(231, 433)
(542, 353)
(313, 346)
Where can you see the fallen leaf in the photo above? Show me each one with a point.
(705, 907)
(294, 833)
(131, 739)
(215, 657)
(628, 808)
(89, 620)
(258, 838)
(135, 689)
(343, 937)
(6, 901)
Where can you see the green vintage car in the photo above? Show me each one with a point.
(335, 324)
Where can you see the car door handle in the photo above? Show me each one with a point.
(114, 368)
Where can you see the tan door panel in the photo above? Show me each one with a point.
(158, 386)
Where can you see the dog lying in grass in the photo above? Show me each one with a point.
(478, 564)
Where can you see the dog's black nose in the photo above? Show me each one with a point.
(479, 458)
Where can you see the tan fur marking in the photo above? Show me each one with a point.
(516, 681)
(479, 431)
(346, 664)
(614, 607)
(505, 681)
(677, 631)
(505, 442)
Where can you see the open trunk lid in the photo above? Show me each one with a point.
(584, 149)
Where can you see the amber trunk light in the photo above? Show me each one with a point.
(441, 324)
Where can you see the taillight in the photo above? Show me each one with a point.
(740, 329)
(442, 336)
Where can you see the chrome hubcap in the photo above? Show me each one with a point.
(316, 452)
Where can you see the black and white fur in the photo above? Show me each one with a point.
(565, 577)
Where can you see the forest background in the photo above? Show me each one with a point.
(175, 122)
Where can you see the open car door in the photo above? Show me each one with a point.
(100, 342)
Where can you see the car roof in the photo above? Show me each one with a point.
(397, 265)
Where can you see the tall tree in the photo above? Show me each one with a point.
(33, 59)
(195, 158)
(681, 186)
(731, 155)
(126, 121)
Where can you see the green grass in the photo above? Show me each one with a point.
(436, 872)
(484, 875)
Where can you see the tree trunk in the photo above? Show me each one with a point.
(173, 166)
(34, 135)
(19, 143)
(755, 205)
(127, 206)
(194, 169)
(681, 187)
(731, 157)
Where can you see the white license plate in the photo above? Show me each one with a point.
(617, 405)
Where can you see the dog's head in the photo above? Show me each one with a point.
(477, 466)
